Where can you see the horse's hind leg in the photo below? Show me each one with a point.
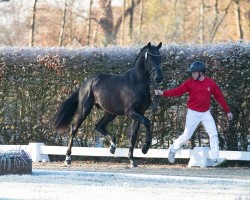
(70, 144)
(81, 116)
(101, 127)
(73, 131)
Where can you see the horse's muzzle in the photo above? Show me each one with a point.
(158, 76)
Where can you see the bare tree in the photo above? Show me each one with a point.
(32, 26)
(63, 23)
(89, 22)
(172, 15)
(247, 14)
(131, 17)
(119, 20)
(95, 33)
(106, 21)
(238, 19)
(217, 23)
(71, 21)
(141, 18)
(136, 20)
(202, 34)
(123, 21)
(185, 21)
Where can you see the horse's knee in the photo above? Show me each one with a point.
(73, 131)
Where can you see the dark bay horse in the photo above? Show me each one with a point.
(126, 94)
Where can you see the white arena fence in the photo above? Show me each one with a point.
(199, 156)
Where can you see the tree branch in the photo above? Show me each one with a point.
(119, 21)
(220, 22)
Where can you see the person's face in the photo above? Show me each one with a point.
(195, 75)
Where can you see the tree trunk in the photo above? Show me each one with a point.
(216, 9)
(71, 23)
(89, 22)
(63, 24)
(131, 14)
(32, 26)
(202, 34)
(95, 33)
(238, 19)
(141, 18)
(106, 21)
(123, 21)
(184, 21)
(218, 23)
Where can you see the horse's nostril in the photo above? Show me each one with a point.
(158, 76)
(158, 79)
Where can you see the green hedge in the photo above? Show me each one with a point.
(34, 81)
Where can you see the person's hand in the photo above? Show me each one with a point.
(229, 116)
(158, 92)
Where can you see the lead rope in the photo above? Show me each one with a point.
(155, 100)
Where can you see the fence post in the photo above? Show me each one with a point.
(200, 157)
(35, 153)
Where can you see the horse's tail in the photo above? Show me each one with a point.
(66, 112)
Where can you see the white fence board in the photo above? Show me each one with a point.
(39, 152)
(120, 152)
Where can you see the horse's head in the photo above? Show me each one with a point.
(153, 60)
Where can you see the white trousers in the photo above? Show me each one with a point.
(193, 118)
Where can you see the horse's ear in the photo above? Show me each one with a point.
(149, 44)
(159, 45)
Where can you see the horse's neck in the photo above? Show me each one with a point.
(140, 69)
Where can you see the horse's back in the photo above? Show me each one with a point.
(116, 94)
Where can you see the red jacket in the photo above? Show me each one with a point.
(200, 93)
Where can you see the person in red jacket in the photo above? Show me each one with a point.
(200, 88)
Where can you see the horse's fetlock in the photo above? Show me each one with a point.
(68, 157)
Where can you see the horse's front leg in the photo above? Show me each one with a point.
(144, 120)
(148, 141)
(136, 126)
(101, 127)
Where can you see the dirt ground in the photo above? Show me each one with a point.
(232, 172)
(98, 179)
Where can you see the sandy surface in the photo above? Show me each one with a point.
(152, 169)
(109, 180)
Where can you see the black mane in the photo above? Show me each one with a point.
(138, 55)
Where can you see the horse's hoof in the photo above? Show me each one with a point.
(112, 149)
(133, 164)
(67, 163)
(145, 149)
